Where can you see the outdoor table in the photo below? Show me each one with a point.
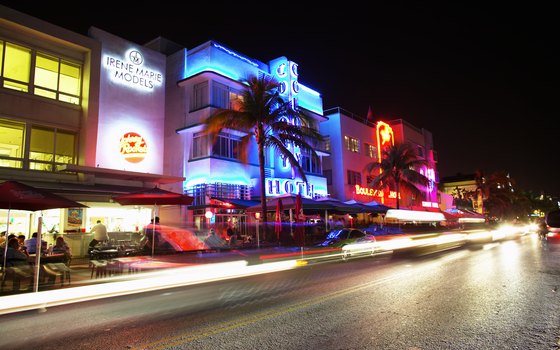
(104, 254)
(128, 262)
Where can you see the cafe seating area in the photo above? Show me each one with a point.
(21, 278)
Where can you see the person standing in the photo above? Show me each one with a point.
(99, 234)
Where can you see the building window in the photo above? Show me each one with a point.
(354, 178)
(50, 148)
(11, 143)
(226, 97)
(328, 176)
(371, 151)
(310, 162)
(199, 145)
(53, 77)
(352, 144)
(16, 66)
(200, 96)
(57, 79)
(227, 146)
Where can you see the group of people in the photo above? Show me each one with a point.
(19, 248)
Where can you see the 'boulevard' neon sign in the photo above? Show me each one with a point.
(371, 192)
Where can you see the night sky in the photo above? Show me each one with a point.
(480, 78)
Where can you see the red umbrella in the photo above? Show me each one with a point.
(16, 195)
(19, 196)
(300, 230)
(278, 224)
(153, 196)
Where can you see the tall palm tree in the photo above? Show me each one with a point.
(262, 113)
(397, 170)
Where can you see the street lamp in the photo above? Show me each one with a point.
(208, 214)
(258, 216)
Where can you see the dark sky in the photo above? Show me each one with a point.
(480, 78)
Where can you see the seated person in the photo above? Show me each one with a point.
(17, 266)
(31, 244)
(61, 247)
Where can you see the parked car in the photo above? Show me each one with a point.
(553, 226)
(351, 241)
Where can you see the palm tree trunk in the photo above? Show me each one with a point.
(398, 194)
(263, 187)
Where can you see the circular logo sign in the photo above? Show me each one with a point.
(133, 147)
(136, 57)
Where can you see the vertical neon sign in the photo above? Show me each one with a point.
(385, 139)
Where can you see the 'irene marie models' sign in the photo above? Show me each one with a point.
(131, 71)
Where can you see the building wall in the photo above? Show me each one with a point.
(218, 65)
(343, 123)
(38, 35)
(132, 106)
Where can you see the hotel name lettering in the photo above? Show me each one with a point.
(276, 186)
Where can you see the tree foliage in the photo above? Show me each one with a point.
(397, 171)
(262, 115)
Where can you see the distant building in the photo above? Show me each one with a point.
(464, 190)
(355, 142)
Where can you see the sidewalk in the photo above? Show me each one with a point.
(84, 271)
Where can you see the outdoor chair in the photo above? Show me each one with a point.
(54, 270)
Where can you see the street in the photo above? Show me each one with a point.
(500, 295)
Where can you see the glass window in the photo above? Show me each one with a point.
(310, 162)
(371, 151)
(226, 146)
(1, 56)
(12, 135)
(354, 178)
(224, 96)
(199, 145)
(41, 149)
(49, 148)
(70, 75)
(17, 67)
(352, 144)
(64, 149)
(53, 75)
(46, 72)
(200, 96)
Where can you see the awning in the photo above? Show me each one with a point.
(232, 203)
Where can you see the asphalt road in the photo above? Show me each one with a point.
(493, 296)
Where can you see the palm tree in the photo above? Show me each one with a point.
(262, 113)
(397, 170)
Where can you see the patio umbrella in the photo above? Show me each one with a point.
(153, 196)
(278, 223)
(18, 196)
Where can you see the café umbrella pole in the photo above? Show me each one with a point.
(154, 229)
(6, 246)
(38, 246)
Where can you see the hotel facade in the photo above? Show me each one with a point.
(91, 117)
